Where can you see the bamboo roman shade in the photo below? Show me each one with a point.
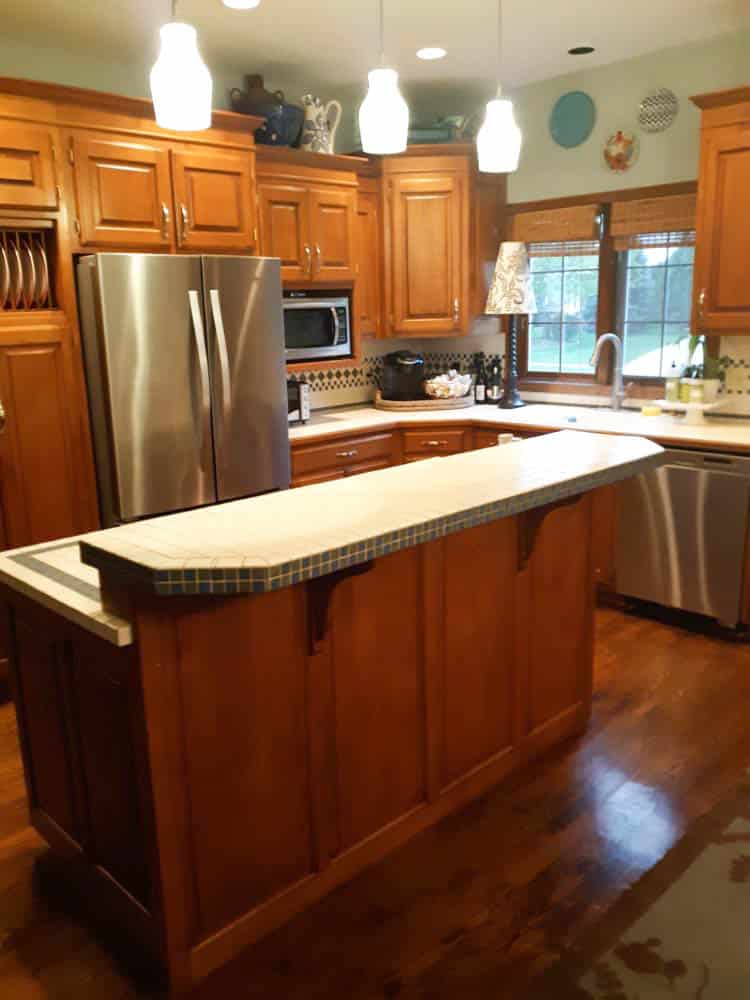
(654, 222)
(557, 225)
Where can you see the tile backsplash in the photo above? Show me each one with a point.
(357, 384)
(737, 379)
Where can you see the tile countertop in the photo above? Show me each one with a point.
(713, 432)
(279, 539)
(53, 576)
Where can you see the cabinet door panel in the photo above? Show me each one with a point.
(560, 607)
(479, 686)
(284, 228)
(428, 254)
(367, 291)
(27, 172)
(41, 494)
(721, 287)
(123, 193)
(379, 715)
(214, 200)
(332, 234)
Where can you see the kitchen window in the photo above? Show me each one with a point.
(562, 331)
(655, 281)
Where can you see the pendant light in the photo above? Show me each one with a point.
(499, 138)
(181, 84)
(384, 114)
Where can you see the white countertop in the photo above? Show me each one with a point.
(272, 541)
(53, 575)
(713, 432)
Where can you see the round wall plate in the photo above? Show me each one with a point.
(572, 119)
(621, 151)
(658, 110)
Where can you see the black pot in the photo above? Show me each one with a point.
(403, 375)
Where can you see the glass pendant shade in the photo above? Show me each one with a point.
(181, 85)
(499, 139)
(383, 115)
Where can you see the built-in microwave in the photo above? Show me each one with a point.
(317, 327)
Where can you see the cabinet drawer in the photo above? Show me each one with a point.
(342, 454)
(433, 442)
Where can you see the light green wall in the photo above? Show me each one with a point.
(548, 171)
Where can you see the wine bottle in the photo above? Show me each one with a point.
(495, 382)
(480, 382)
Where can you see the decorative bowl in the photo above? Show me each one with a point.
(452, 385)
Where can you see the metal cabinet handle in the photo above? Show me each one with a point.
(308, 254)
(319, 255)
(456, 310)
(435, 444)
(185, 223)
(702, 304)
(200, 349)
(347, 454)
(165, 220)
(221, 344)
(2, 416)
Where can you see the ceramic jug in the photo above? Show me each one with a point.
(319, 130)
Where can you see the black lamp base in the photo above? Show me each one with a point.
(511, 397)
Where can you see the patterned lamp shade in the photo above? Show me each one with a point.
(511, 293)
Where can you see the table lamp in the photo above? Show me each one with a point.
(511, 295)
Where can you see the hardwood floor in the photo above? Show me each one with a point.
(474, 907)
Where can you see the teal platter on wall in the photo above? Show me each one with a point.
(572, 119)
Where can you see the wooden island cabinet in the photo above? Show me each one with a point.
(235, 743)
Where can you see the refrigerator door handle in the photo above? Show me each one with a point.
(200, 347)
(221, 344)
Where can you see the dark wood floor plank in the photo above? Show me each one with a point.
(476, 906)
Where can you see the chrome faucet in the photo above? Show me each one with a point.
(618, 391)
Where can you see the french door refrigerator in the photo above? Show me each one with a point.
(186, 378)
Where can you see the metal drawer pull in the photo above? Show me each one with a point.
(319, 255)
(456, 310)
(435, 444)
(165, 219)
(308, 254)
(185, 223)
(2, 417)
(702, 304)
(346, 454)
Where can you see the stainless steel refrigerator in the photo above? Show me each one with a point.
(185, 370)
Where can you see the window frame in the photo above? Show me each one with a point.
(598, 382)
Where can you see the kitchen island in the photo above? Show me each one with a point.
(261, 698)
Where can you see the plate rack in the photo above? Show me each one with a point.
(26, 265)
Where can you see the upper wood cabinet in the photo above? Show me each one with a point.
(123, 192)
(27, 167)
(284, 225)
(368, 289)
(721, 287)
(427, 246)
(147, 194)
(214, 199)
(308, 216)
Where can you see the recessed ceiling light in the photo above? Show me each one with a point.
(578, 50)
(431, 52)
(241, 4)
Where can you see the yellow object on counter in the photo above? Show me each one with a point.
(651, 410)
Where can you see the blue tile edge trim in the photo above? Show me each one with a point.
(244, 580)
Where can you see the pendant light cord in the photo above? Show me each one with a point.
(499, 46)
(382, 34)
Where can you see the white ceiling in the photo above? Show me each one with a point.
(335, 41)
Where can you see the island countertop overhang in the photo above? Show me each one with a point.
(277, 540)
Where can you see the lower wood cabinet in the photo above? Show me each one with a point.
(317, 463)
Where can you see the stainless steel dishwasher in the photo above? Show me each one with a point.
(681, 533)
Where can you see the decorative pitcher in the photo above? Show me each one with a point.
(319, 130)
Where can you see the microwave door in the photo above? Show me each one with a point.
(312, 329)
(248, 375)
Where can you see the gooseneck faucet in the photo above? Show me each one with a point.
(618, 392)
